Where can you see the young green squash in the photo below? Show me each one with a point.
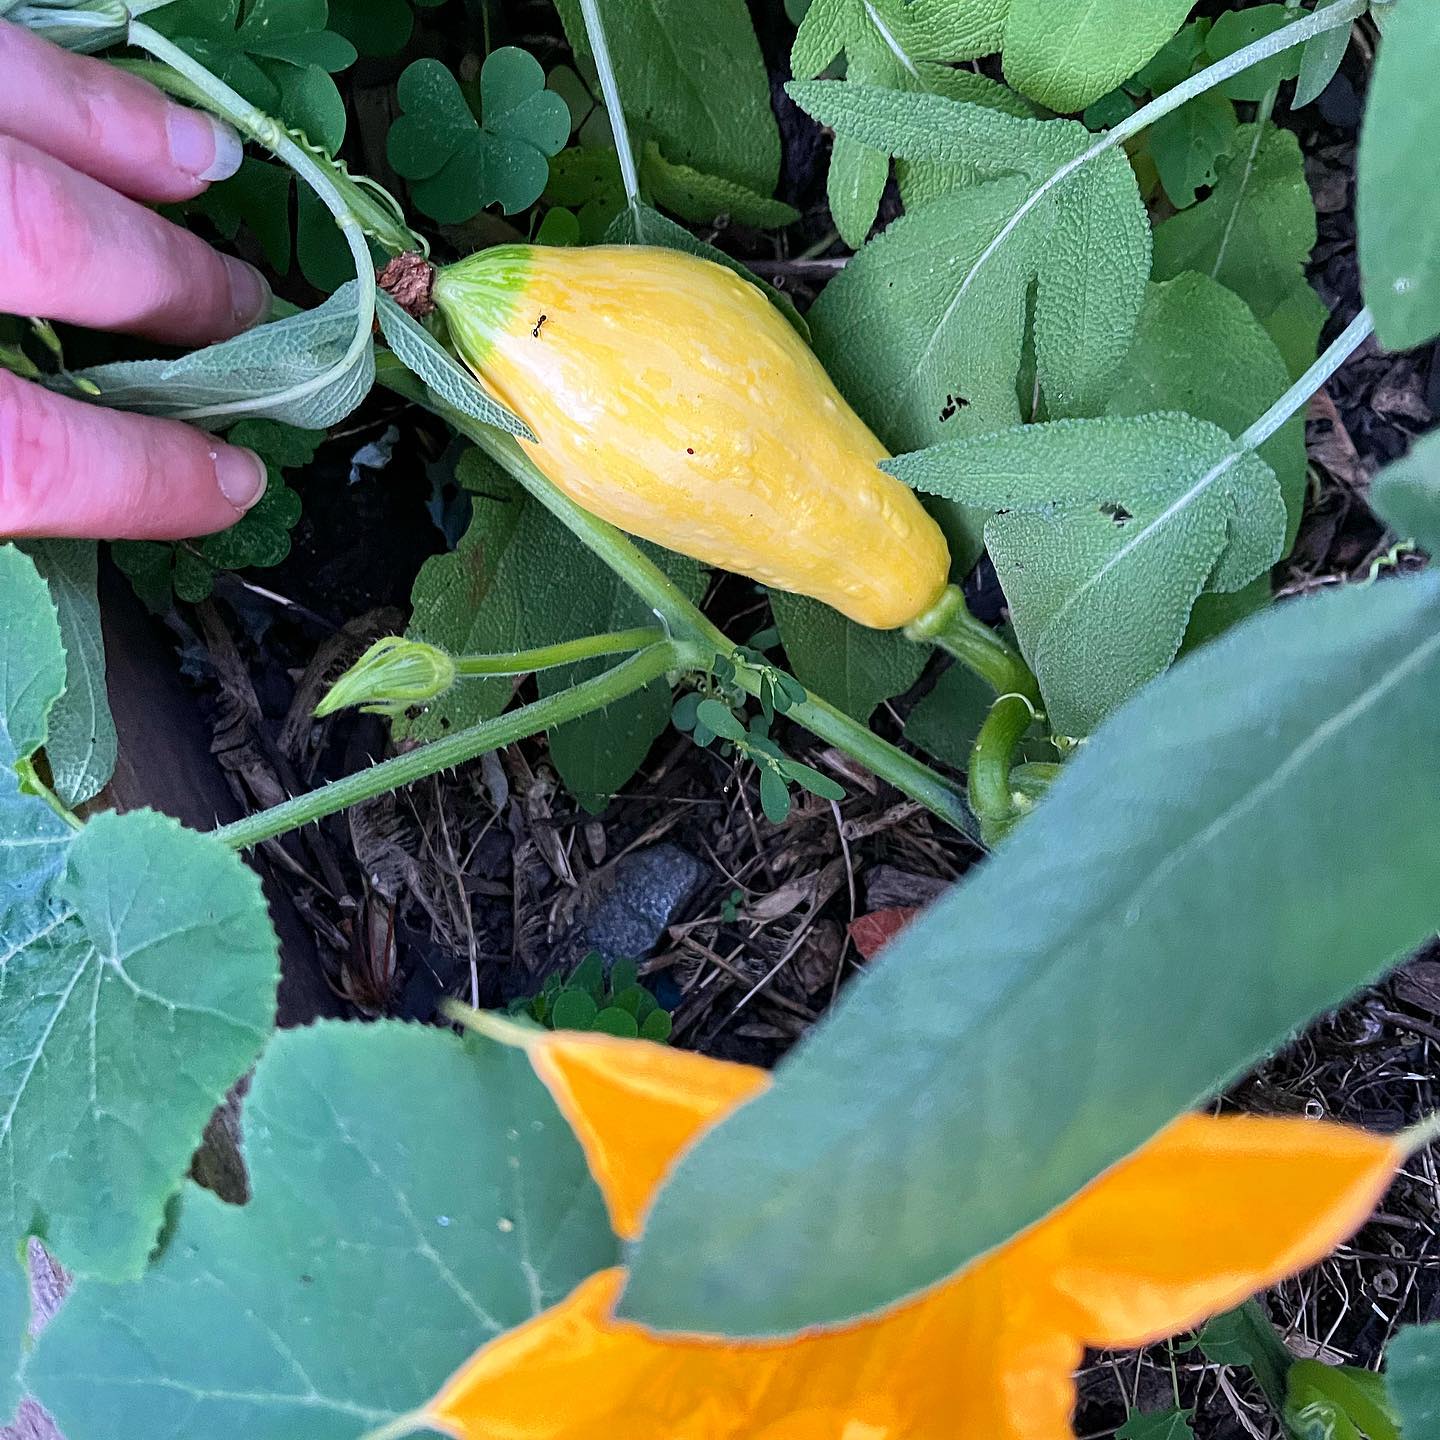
(669, 397)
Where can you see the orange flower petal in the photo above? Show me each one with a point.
(1211, 1211)
(967, 1360)
(1202, 1217)
(634, 1106)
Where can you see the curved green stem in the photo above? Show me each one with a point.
(265, 130)
(992, 796)
(626, 678)
(950, 625)
(681, 618)
(378, 220)
(567, 652)
(908, 775)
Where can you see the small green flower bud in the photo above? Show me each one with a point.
(390, 677)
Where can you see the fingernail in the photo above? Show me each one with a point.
(201, 145)
(249, 293)
(239, 473)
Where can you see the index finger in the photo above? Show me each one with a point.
(108, 124)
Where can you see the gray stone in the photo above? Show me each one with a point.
(629, 905)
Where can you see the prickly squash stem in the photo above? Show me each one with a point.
(907, 774)
(627, 677)
(567, 652)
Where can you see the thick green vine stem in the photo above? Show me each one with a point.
(681, 618)
(996, 802)
(624, 679)
(950, 625)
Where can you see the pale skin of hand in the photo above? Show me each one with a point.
(84, 150)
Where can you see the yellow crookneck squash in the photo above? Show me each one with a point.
(669, 397)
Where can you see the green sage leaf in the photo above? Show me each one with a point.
(1397, 179)
(1282, 758)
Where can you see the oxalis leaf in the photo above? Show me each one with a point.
(128, 1007)
(1397, 177)
(374, 1257)
(924, 330)
(278, 54)
(461, 165)
(280, 371)
(1235, 851)
(1103, 534)
(441, 371)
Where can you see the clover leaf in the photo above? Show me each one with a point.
(458, 164)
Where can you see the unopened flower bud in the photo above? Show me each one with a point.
(390, 677)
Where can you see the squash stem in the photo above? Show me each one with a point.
(679, 616)
(547, 657)
(950, 625)
(988, 778)
(624, 679)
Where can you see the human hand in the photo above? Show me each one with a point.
(81, 144)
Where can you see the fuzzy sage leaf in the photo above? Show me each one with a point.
(445, 375)
(254, 374)
(1283, 757)
(1103, 533)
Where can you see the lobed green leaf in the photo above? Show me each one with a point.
(458, 165)
(374, 1257)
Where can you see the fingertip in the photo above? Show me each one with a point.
(202, 147)
(240, 474)
(250, 294)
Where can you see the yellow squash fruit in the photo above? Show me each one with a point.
(669, 397)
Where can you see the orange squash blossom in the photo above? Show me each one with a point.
(1203, 1216)
(669, 397)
